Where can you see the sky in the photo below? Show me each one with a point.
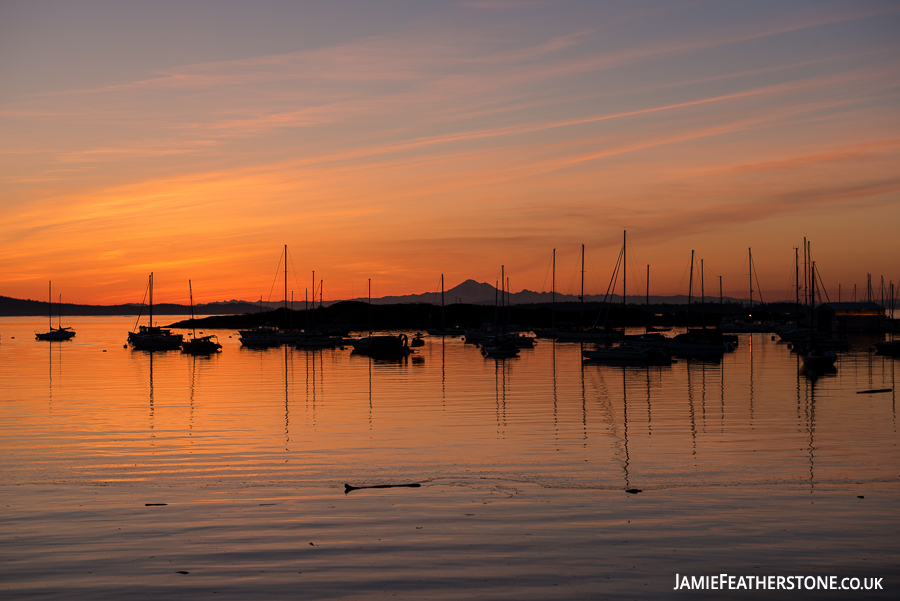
(398, 140)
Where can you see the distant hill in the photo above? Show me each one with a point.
(27, 308)
(469, 292)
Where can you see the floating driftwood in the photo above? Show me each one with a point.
(874, 391)
(155, 504)
(348, 488)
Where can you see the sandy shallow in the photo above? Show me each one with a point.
(451, 539)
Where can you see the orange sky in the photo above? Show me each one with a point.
(195, 139)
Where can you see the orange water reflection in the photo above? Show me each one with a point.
(89, 410)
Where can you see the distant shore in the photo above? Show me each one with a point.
(356, 315)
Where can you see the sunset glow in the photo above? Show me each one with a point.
(399, 140)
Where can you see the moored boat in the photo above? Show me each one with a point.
(890, 348)
(818, 359)
(384, 347)
(204, 345)
(500, 346)
(627, 353)
(59, 332)
(260, 336)
(154, 338)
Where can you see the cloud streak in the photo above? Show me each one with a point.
(476, 130)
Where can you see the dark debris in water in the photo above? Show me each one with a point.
(155, 504)
(633, 491)
(348, 488)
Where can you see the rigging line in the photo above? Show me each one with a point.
(434, 296)
(821, 282)
(141, 310)
(593, 274)
(610, 287)
(547, 273)
(681, 283)
(637, 275)
(756, 275)
(790, 286)
(293, 269)
(275, 279)
(575, 272)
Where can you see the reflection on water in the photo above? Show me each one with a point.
(745, 461)
(284, 414)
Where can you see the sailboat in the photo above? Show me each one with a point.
(443, 330)
(154, 338)
(813, 357)
(59, 332)
(628, 353)
(205, 345)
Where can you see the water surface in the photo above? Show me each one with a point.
(745, 464)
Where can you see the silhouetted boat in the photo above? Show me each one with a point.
(629, 353)
(890, 348)
(503, 345)
(260, 336)
(204, 345)
(58, 333)
(154, 338)
(384, 347)
(417, 340)
(318, 340)
(814, 357)
(745, 327)
(445, 331)
(818, 359)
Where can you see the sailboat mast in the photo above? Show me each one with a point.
(442, 300)
(151, 299)
(582, 283)
(702, 298)
(691, 285)
(805, 272)
(59, 313)
(553, 292)
(285, 286)
(797, 281)
(370, 306)
(191, 296)
(624, 271)
(750, 253)
(721, 303)
(50, 303)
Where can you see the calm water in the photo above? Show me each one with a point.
(744, 465)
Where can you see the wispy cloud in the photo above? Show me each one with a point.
(473, 132)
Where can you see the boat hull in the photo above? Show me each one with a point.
(60, 334)
(201, 346)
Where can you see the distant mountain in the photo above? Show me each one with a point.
(469, 292)
(481, 293)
